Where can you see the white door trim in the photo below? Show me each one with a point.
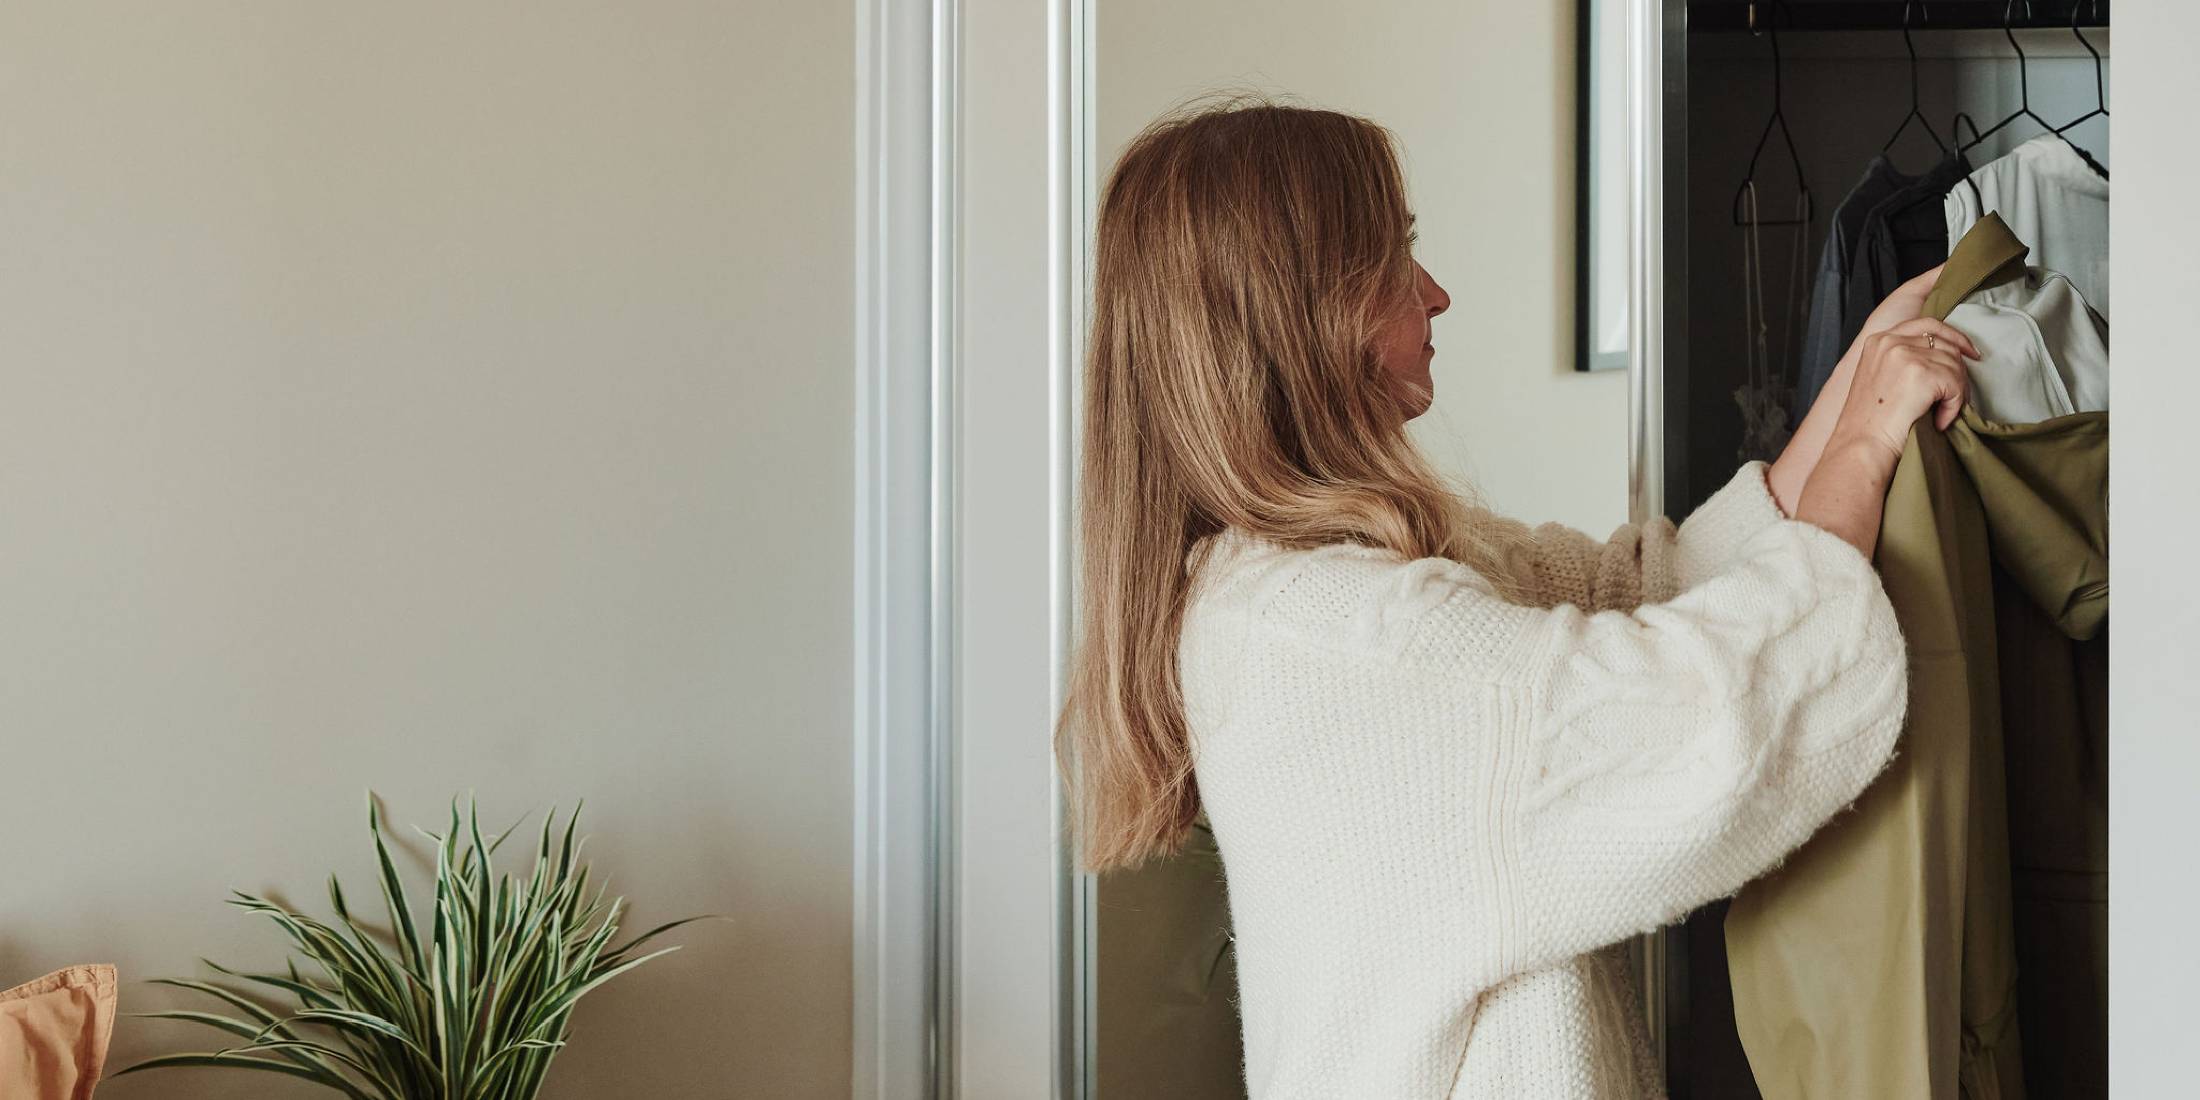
(1072, 203)
(1020, 914)
(902, 694)
(973, 180)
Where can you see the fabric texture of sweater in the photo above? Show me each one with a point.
(1441, 813)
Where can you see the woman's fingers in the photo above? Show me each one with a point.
(1930, 371)
(1911, 371)
(1950, 403)
(1934, 333)
(1952, 385)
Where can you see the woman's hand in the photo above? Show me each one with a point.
(1793, 469)
(1902, 374)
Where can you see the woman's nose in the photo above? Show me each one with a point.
(1432, 292)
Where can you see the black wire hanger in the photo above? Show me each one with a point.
(1915, 114)
(1777, 121)
(2024, 91)
(2100, 86)
(1955, 134)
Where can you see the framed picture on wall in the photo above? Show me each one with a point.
(1600, 186)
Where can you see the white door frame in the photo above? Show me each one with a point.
(971, 930)
(900, 694)
(971, 934)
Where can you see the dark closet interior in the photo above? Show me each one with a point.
(1797, 97)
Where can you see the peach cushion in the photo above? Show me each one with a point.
(53, 1034)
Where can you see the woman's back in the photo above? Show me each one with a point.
(1449, 762)
(1437, 808)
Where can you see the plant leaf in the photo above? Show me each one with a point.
(628, 947)
(393, 890)
(291, 1069)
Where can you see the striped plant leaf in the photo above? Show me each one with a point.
(470, 1003)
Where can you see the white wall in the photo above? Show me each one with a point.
(1480, 95)
(1003, 582)
(2154, 752)
(429, 397)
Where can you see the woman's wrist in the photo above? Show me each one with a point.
(1848, 488)
(1864, 447)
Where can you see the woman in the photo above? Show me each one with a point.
(1451, 763)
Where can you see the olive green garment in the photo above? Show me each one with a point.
(1881, 959)
(1167, 1009)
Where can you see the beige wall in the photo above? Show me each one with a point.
(431, 397)
(1480, 95)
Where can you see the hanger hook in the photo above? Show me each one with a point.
(2008, 31)
(2100, 78)
(1909, 45)
(2100, 83)
(1778, 120)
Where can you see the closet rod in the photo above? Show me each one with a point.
(1886, 15)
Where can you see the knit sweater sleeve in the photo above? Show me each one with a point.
(1654, 760)
(1649, 562)
(1556, 778)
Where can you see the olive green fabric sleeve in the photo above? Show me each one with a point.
(2047, 488)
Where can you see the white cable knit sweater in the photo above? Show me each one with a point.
(1435, 807)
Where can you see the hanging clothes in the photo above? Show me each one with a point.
(1882, 959)
(2045, 350)
(1904, 236)
(1888, 228)
(1765, 395)
(1828, 332)
(2052, 200)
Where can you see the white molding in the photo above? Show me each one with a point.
(971, 138)
(1645, 70)
(903, 839)
(1645, 259)
(1069, 217)
(944, 363)
(1012, 372)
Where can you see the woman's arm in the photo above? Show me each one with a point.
(1650, 562)
(1903, 376)
(1808, 445)
(1530, 783)
(1672, 755)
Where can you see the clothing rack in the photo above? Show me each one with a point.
(1877, 15)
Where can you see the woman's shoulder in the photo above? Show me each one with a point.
(1339, 595)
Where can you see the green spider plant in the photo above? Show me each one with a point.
(474, 1009)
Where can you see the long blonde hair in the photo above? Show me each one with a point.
(1245, 253)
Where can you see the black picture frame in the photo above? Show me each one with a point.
(1600, 254)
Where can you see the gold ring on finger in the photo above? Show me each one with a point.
(1931, 341)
